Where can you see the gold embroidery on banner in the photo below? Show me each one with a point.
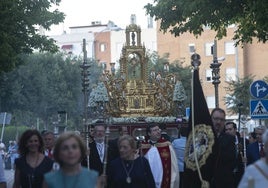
(204, 140)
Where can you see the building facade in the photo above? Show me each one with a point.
(104, 42)
(237, 62)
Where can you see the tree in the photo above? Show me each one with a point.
(43, 86)
(12, 133)
(179, 16)
(238, 95)
(19, 24)
(46, 84)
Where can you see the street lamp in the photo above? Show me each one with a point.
(215, 66)
(85, 80)
(195, 60)
(85, 89)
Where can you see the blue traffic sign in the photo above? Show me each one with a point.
(259, 109)
(259, 89)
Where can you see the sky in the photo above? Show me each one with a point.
(83, 12)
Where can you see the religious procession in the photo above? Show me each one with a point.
(98, 106)
(122, 149)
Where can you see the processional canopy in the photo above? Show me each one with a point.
(134, 92)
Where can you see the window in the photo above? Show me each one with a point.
(102, 47)
(209, 75)
(230, 74)
(103, 65)
(208, 47)
(229, 48)
(211, 101)
(191, 48)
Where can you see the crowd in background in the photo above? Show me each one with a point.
(42, 160)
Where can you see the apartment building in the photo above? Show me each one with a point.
(104, 42)
(237, 62)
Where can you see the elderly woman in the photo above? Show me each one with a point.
(32, 164)
(256, 174)
(69, 151)
(128, 170)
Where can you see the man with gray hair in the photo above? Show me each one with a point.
(256, 174)
(255, 150)
(49, 141)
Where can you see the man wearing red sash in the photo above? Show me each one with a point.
(161, 157)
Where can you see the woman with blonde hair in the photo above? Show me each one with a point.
(69, 151)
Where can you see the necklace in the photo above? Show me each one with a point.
(128, 179)
(33, 166)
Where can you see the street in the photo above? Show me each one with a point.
(9, 174)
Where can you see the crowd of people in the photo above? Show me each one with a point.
(157, 161)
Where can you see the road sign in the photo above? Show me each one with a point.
(259, 109)
(259, 89)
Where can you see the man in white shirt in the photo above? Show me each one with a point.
(97, 149)
(256, 174)
(255, 150)
(179, 148)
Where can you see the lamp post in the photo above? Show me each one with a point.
(85, 89)
(85, 80)
(215, 66)
(195, 60)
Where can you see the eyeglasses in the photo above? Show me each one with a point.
(218, 119)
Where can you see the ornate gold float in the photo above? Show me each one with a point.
(134, 92)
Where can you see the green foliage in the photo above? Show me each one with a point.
(95, 72)
(19, 23)
(180, 16)
(42, 87)
(12, 133)
(238, 94)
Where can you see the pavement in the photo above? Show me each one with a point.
(9, 174)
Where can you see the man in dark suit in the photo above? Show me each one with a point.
(255, 150)
(231, 129)
(224, 153)
(97, 149)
